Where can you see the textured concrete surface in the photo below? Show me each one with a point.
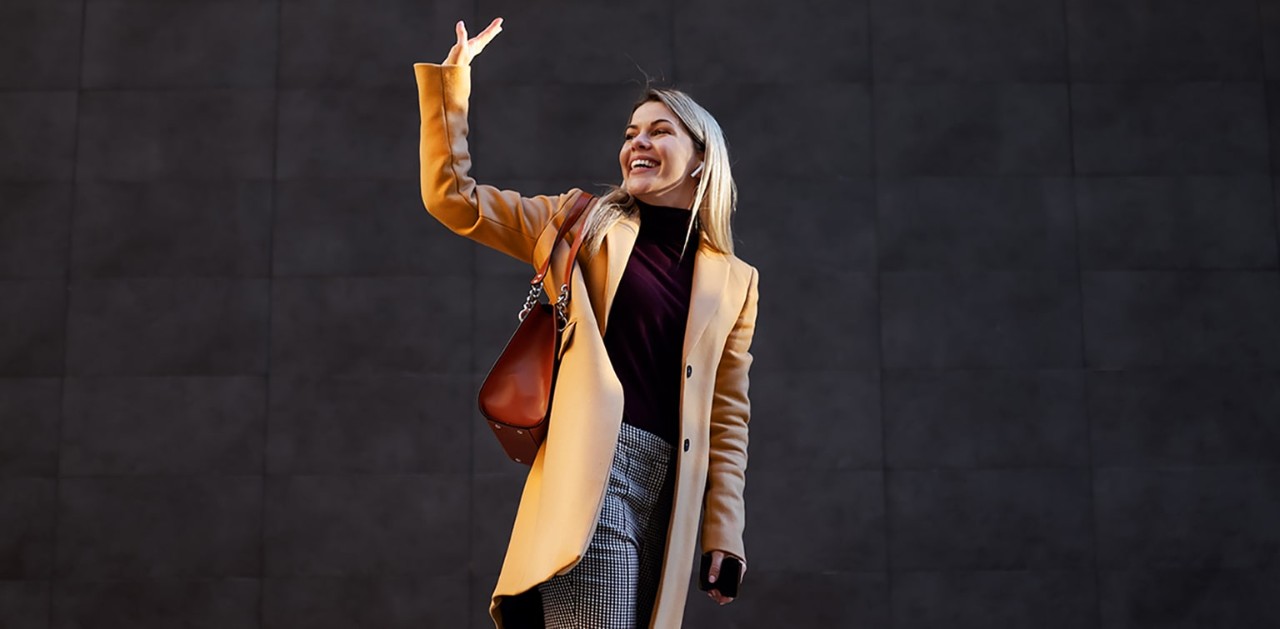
(1018, 358)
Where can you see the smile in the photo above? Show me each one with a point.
(639, 164)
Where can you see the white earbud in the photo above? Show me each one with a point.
(696, 171)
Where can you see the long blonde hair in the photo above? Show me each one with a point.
(716, 198)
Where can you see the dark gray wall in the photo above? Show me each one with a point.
(1018, 360)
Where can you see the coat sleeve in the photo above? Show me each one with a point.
(724, 513)
(501, 219)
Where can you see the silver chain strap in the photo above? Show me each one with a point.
(562, 305)
(562, 308)
(535, 291)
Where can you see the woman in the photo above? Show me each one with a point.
(649, 425)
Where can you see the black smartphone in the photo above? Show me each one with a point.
(727, 582)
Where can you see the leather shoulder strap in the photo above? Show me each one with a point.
(579, 208)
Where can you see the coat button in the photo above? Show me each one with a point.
(686, 445)
(688, 371)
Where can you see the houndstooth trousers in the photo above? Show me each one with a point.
(616, 583)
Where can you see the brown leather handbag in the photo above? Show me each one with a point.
(515, 397)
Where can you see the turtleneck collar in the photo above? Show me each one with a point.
(662, 223)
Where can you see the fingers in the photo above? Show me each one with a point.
(465, 49)
(491, 30)
(455, 56)
(479, 42)
(713, 573)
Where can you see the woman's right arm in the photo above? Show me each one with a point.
(502, 219)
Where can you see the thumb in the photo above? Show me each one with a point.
(713, 573)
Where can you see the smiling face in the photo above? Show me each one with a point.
(658, 157)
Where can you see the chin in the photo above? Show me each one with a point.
(634, 190)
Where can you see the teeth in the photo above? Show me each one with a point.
(642, 163)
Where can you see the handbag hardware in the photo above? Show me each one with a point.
(516, 395)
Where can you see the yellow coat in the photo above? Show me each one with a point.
(564, 491)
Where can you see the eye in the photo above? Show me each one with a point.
(627, 137)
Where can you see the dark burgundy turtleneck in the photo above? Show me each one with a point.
(645, 335)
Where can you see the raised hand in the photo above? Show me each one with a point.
(466, 49)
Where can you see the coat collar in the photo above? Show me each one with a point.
(710, 275)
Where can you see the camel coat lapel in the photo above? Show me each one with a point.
(710, 273)
(619, 242)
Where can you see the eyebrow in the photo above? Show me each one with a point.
(633, 126)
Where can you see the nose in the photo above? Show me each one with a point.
(640, 141)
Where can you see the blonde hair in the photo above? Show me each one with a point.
(716, 198)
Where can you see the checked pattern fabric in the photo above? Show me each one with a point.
(616, 583)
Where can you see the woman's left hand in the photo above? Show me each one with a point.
(716, 558)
